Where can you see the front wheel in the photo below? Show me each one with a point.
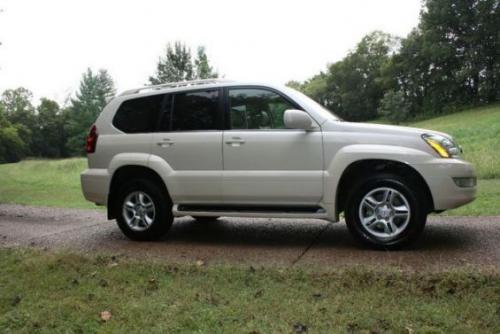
(386, 212)
(144, 210)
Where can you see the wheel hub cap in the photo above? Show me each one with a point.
(138, 210)
(384, 213)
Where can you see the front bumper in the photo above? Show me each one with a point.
(95, 185)
(439, 175)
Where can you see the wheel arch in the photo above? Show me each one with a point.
(356, 170)
(130, 172)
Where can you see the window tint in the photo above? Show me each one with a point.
(257, 109)
(193, 111)
(138, 115)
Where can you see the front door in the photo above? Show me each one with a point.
(265, 163)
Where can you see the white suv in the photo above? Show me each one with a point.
(215, 148)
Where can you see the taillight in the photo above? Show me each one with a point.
(91, 140)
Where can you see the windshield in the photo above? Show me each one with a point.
(310, 103)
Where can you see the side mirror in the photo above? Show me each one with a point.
(297, 119)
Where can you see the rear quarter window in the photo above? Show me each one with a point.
(138, 115)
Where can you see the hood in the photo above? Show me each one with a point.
(377, 129)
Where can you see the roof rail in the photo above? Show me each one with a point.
(175, 85)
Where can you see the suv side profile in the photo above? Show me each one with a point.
(215, 148)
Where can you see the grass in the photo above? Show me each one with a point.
(44, 183)
(478, 132)
(56, 293)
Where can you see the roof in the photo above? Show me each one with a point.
(180, 84)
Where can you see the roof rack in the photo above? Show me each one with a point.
(175, 85)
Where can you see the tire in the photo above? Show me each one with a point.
(152, 209)
(381, 201)
(202, 219)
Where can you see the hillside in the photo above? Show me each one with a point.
(478, 132)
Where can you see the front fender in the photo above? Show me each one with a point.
(358, 152)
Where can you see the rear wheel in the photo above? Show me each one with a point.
(386, 211)
(143, 210)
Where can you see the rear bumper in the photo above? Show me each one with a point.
(95, 185)
(439, 174)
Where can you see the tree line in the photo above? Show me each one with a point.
(54, 131)
(451, 60)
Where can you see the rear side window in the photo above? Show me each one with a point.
(138, 115)
(192, 111)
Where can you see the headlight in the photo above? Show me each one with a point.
(445, 147)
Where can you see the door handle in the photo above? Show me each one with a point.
(166, 142)
(235, 141)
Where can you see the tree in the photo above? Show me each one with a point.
(452, 58)
(355, 85)
(394, 106)
(96, 89)
(297, 85)
(202, 66)
(49, 137)
(20, 113)
(178, 65)
(12, 147)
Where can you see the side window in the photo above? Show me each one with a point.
(193, 111)
(138, 115)
(255, 108)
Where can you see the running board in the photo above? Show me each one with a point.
(315, 212)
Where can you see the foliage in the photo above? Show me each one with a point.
(202, 66)
(178, 65)
(450, 61)
(96, 89)
(355, 84)
(394, 106)
(12, 147)
(49, 137)
(20, 113)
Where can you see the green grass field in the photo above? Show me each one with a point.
(44, 183)
(56, 182)
(61, 293)
(478, 132)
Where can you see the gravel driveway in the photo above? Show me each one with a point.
(448, 242)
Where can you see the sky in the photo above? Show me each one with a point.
(47, 45)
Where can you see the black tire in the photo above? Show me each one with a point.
(415, 198)
(163, 217)
(202, 219)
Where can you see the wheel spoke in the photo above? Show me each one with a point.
(369, 220)
(370, 202)
(392, 226)
(388, 228)
(141, 198)
(387, 196)
(401, 211)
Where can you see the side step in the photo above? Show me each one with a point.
(316, 212)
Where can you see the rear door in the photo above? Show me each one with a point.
(189, 139)
(265, 163)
